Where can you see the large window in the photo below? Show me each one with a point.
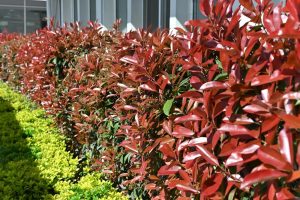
(121, 13)
(22, 16)
(156, 13)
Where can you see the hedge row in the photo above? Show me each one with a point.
(33, 161)
(211, 112)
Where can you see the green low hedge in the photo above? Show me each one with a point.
(34, 163)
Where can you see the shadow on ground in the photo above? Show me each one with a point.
(19, 175)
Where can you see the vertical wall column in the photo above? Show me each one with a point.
(67, 11)
(108, 13)
(135, 14)
(53, 10)
(178, 15)
(83, 11)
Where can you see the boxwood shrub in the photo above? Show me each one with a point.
(34, 163)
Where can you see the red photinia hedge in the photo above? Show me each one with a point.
(207, 113)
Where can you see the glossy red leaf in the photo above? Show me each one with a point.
(240, 120)
(264, 79)
(285, 140)
(291, 121)
(167, 150)
(180, 131)
(191, 156)
(205, 7)
(295, 175)
(186, 188)
(207, 155)
(212, 188)
(198, 140)
(236, 157)
(189, 117)
(298, 154)
(150, 86)
(270, 123)
(284, 193)
(292, 95)
(214, 85)
(247, 4)
(255, 109)
(236, 130)
(270, 156)
(129, 59)
(260, 176)
(151, 186)
(167, 170)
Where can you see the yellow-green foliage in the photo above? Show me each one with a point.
(91, 187)
(34, 163)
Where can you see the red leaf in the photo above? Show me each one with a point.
(167, 150)
(191, 95)
(236, 157)
(189, 117)
(173, 182)
(150, 186)
(294, 176)
(270, 123)
(167, 170)
(167, 126)
(260, 176)
(292, 95)
(284, 193)
(270, 156)
(255, 109)
(298, 155)
(236, 130)
(291, 120)
(205, 6)
(180, 131)
(264, 79)
(241, 120)
(199, 140)
(247, 4)
(150, 86)
(285, 140)
(185, 176)
(129, 59)
(131, 147)
(191, 156)
(214, 85)
(186, 188)
(217, 181)
(207, 155)
(271, 191)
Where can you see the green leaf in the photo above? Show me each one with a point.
(231, 194)
(218, 62)
(297, 103)
(167, 106)
(221, 76)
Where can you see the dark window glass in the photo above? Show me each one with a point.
(75, 10)
(35, 19)
(38, 3)
(93, 9)
(165, 14)
(12, 2)
(121, 12)
(151, 14)
(196, 12)
(11, 19)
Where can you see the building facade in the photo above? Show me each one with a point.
(133, 13)
(22, 16)
(25, 16)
